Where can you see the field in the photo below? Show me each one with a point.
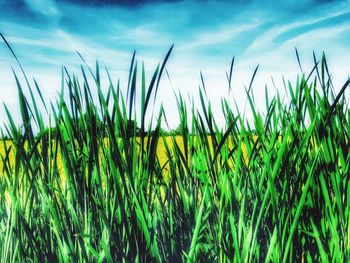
(93, 185)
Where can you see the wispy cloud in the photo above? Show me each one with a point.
(322, 16)
(221, 35)
(44, 7)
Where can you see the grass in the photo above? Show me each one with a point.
(92, 187)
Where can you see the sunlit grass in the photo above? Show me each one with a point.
(94, 187)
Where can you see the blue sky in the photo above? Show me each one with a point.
(46, 33)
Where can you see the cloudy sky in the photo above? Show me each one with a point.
(45, 34)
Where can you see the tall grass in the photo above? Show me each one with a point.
(90, 186)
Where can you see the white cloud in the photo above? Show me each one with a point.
(221, 35)
(309, 39)
(265, 40)
(59, 47)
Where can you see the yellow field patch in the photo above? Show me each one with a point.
(9, 158)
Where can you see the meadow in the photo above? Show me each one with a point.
(92, 186)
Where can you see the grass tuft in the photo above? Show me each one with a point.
(92, 186)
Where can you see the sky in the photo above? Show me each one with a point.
(45, 35)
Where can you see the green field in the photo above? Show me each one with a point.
(94, 186)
